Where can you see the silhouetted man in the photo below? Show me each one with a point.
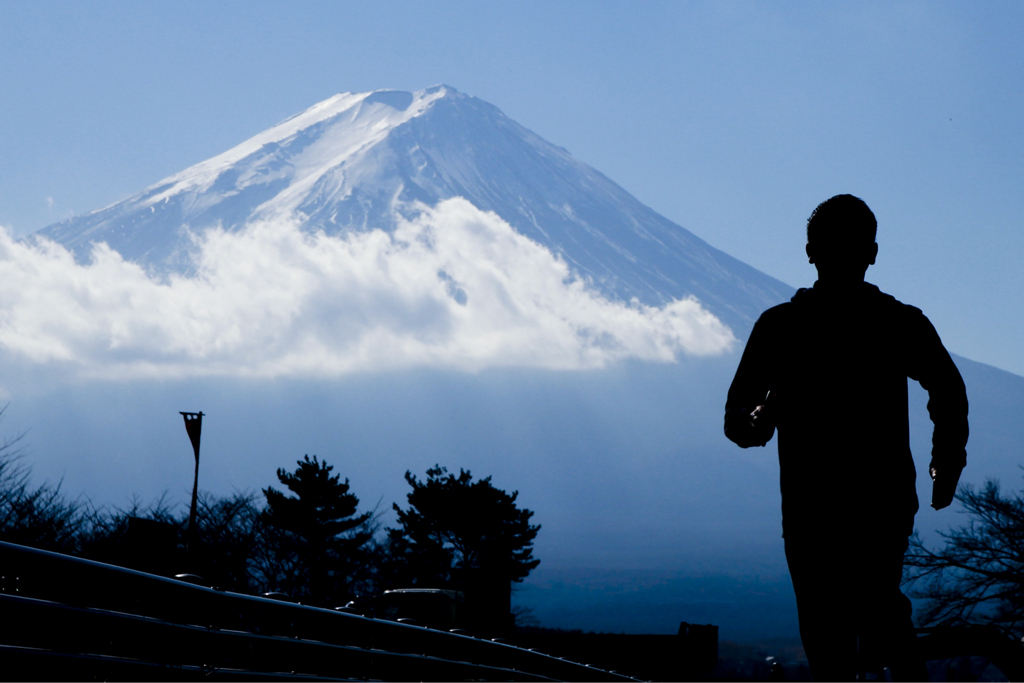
(829, 369)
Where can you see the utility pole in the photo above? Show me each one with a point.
(194, 427)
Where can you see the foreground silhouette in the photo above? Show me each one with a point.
(829, 369)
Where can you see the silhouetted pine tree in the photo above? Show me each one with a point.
(315, 538)
(454, 524)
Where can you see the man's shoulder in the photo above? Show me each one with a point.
(788, 309)
(777, 314)
(893, 304)
(806, 303)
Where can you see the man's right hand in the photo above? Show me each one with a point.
(748, 427)
(760, 427)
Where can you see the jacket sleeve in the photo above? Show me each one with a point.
(931, 365)
(749, 389)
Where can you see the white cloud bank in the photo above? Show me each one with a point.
(454, 287)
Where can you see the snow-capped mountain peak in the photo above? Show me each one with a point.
(343, 125)
(363, 161)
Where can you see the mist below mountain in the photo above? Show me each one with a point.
(649, 515)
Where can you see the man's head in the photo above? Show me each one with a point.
(841, 238)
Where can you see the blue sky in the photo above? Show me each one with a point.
(733, 119)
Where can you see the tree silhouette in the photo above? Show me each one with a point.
(227, 535)
(36, 516)
(454, 525)
(317, 535)
(142, 537)
(979, 575)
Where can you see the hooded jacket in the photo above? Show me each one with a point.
(831, 369)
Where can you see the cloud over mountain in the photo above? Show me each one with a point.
(452, 286)
(352, 162)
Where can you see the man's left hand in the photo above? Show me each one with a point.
(944, 482)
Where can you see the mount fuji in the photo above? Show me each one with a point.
(393, 280)
(356, 162)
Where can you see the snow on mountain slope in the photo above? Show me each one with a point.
(358, 162)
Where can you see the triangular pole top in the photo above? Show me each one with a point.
(194, 426)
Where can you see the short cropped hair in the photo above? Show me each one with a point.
(843, 218)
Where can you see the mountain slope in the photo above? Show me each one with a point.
(360, 161)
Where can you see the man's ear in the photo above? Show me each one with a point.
(873, 253)
(810, 253)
